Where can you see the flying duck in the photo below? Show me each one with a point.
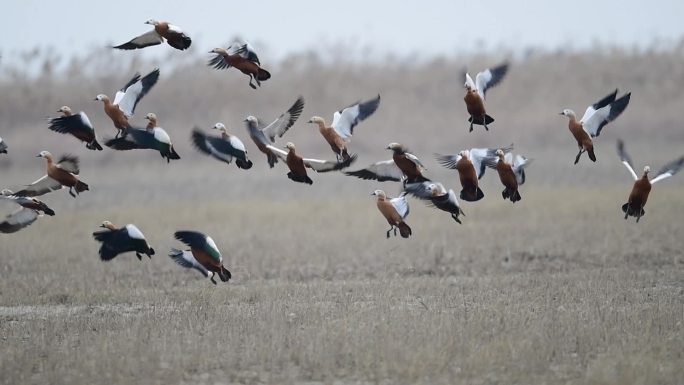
(595, 117)
(186, 259)
(127, 99)
(121, 240)
(476, 92)
(298, 165)
(642, 186)
(60, 175)
(470, 165)
(395, 210)
(77, 125)
(404, 166)
(174, 36)
(245, 50)
(339, 134)
(244, 59)
(224, 148)
(205, 251)
(151, 137)
(511, 172)
(437, 196)
(265, 135)
(30, 209)
(3, 147)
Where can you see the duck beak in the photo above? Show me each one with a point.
(310, 121)
(561, 113)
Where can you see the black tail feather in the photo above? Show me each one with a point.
(470, 197)
(480, 121)
(263, 75)
(301, 179)
(243, 164)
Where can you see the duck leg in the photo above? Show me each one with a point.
(71, 192)
(484, 122)
(627, 211)
(138, 255)
(212, 279)
(471, 124)
(390, 230)
(578, 155)
(641, 208)
(250, 82)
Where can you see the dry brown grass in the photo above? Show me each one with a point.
(557, 288)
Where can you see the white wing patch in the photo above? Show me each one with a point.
(237, 143)
(175, 28)
(161, 136)
(134, 232)
(469, 82)
(401, 205)
(85, 120)
(127, 102)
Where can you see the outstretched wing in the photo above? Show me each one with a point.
(448, 161)
(600, 114)
(347, 118)
(42, 186)
(669, 170)
(135, 91)
(279, 126)
(280, 153)
(69, 163)
(145, 40)
(327, 165)
(383, 171)
(626, 160)
(194, 239)
(489, 78)
(18, 220)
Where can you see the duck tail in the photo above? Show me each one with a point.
(80, 186)
(173, 154)
(272, 159)
(94, 145)
(225, 275)
(263, 75)
(481, 121)
(404, 230)
(470, 197)
(591, 154)
(243, 164)
(515, 196)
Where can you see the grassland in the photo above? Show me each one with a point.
(556, 289)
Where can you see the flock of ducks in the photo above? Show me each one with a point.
(405, 167)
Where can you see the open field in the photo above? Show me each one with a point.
(556, 289)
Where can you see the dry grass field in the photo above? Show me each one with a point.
(556, 289)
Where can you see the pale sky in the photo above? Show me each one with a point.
(277, 28)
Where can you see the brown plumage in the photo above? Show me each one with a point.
(117, 116)
(298, 165)
(394, 210)
(336, 142)
(508, 178)
(476, 109)
(64, 177)
(407, 163)
(223, 60)
(471, 191)
(58, 175)
(582, 137)
(476, 92)
(642, 186)
(173, 34)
